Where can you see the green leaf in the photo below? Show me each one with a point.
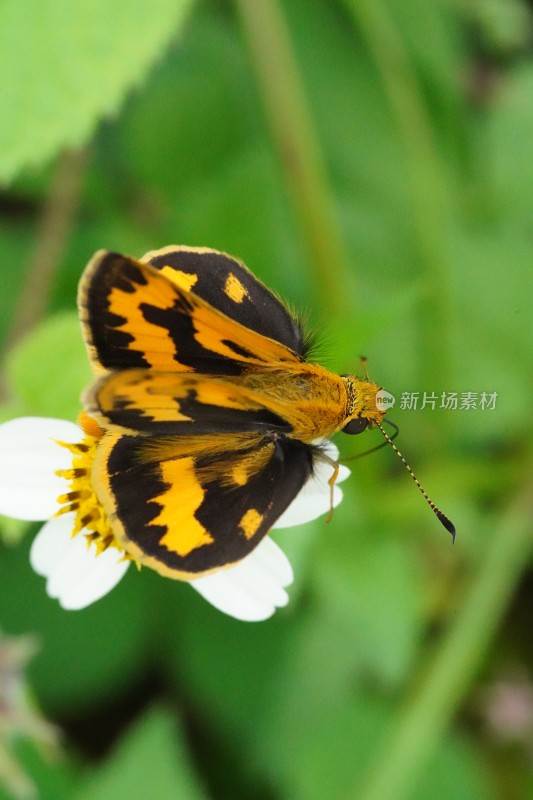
(15, 244)
(87, 657)
(370, 585)
(48, 370)
(313, 751)
(53, 777)
(506, 163)
(457, 771)
(202, 99)
(197, 637)
(151, 761)
(12, 530)
(64, 65)
(317, 737)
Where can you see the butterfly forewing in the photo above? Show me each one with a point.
(133, 315)
(228, 285)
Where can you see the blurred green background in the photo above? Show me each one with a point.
(370, 160)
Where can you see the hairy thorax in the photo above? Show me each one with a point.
(316, 402)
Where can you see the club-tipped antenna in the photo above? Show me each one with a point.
(443, 519)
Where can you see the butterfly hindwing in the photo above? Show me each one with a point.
(134, 315)
(181, 404)
(186, 515)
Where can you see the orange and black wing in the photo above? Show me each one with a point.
(135, 314)
(194, 468)
(228, 285)
(189, 514)
(179, 404)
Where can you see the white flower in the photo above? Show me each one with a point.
(77, 576)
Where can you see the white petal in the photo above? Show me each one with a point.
(76, 576)
(50, 544)
(314, 499)
(308, 505)
(252, 589)
(329, 448)
(29, 457)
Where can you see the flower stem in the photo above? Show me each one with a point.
(54, 226)
(427, 184)
(298, 145)
(424, 717)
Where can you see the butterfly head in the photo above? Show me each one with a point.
(364, 409)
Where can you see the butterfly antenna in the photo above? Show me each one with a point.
(364, 364)
(438, 513)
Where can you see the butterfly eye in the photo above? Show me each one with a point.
(357, 425)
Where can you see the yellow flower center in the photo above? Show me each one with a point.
(81, 498)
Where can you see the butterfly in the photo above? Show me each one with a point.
(212, 416)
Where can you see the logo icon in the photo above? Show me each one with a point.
(384, 400)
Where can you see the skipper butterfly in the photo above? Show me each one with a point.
(211, 416)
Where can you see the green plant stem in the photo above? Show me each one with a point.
(53, 230)
(426, 714)
(298, 145)
(427, 184)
